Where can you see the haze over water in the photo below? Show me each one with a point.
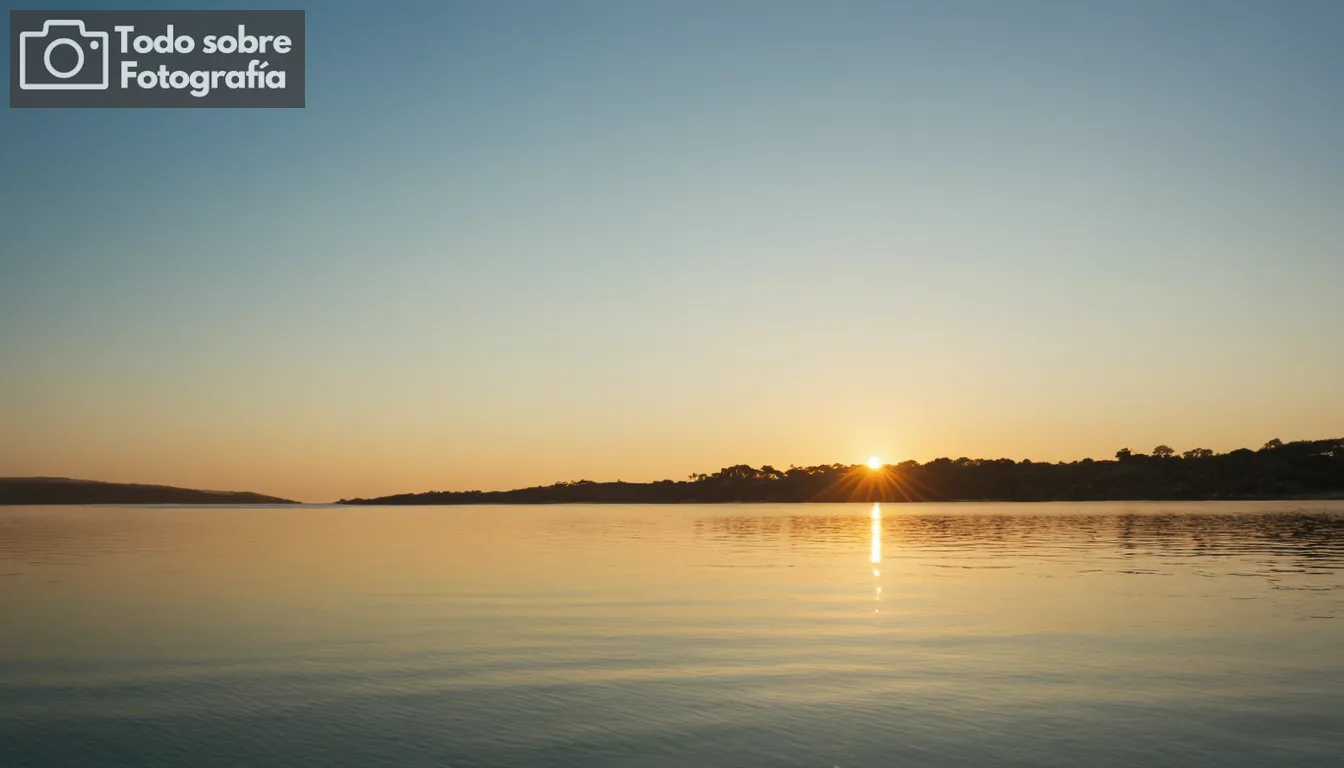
(1156, 634)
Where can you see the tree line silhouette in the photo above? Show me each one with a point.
(1276, 470)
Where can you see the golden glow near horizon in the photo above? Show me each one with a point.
(874, 462)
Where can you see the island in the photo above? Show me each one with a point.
(62, 490)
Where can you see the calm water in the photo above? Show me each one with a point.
(741, 635)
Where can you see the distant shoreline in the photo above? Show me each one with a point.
(375, 503)
(1277, 471)
(47, 491)
(1296, 471)
(380, 503)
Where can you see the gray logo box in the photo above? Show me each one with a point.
(209, 59)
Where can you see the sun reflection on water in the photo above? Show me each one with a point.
(876, 556)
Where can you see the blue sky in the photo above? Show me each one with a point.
(512, 243)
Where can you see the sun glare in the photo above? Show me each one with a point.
(874, 462)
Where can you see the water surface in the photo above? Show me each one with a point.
(735, 635)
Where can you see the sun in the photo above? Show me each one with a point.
(874, 462)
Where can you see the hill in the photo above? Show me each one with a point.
(60, 490)
(1303, 469)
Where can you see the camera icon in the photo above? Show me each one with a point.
(63, 57)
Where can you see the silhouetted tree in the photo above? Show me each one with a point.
(1272, 444)
(1123, 454)
(1163, 452)
(737, 472)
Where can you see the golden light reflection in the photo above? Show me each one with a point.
(877, 533)
(876, 556)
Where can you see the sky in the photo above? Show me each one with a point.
(511, 243)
